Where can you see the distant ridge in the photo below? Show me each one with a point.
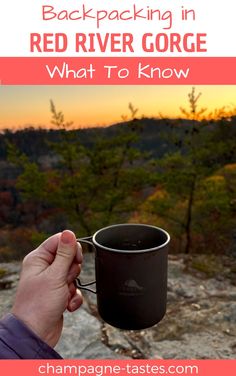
(154, 137)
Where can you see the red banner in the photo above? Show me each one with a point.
(117, 71)
(118, 367)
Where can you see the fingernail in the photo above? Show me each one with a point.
(67, 237)
(79, 254)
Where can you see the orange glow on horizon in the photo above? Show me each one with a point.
(89, 106)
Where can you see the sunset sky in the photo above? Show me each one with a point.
(22, 106)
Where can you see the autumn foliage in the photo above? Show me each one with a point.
(177, 174)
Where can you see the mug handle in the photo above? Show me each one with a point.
(78, 284)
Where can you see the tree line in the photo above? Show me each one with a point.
(187, 186)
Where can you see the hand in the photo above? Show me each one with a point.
(46, 287)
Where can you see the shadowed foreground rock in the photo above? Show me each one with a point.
(200, 322)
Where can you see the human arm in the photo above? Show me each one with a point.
(46, 289)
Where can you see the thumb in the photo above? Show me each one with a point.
(65, 254)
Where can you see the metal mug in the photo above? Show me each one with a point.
(131, 274)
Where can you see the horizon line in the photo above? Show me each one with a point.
(54, 128)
